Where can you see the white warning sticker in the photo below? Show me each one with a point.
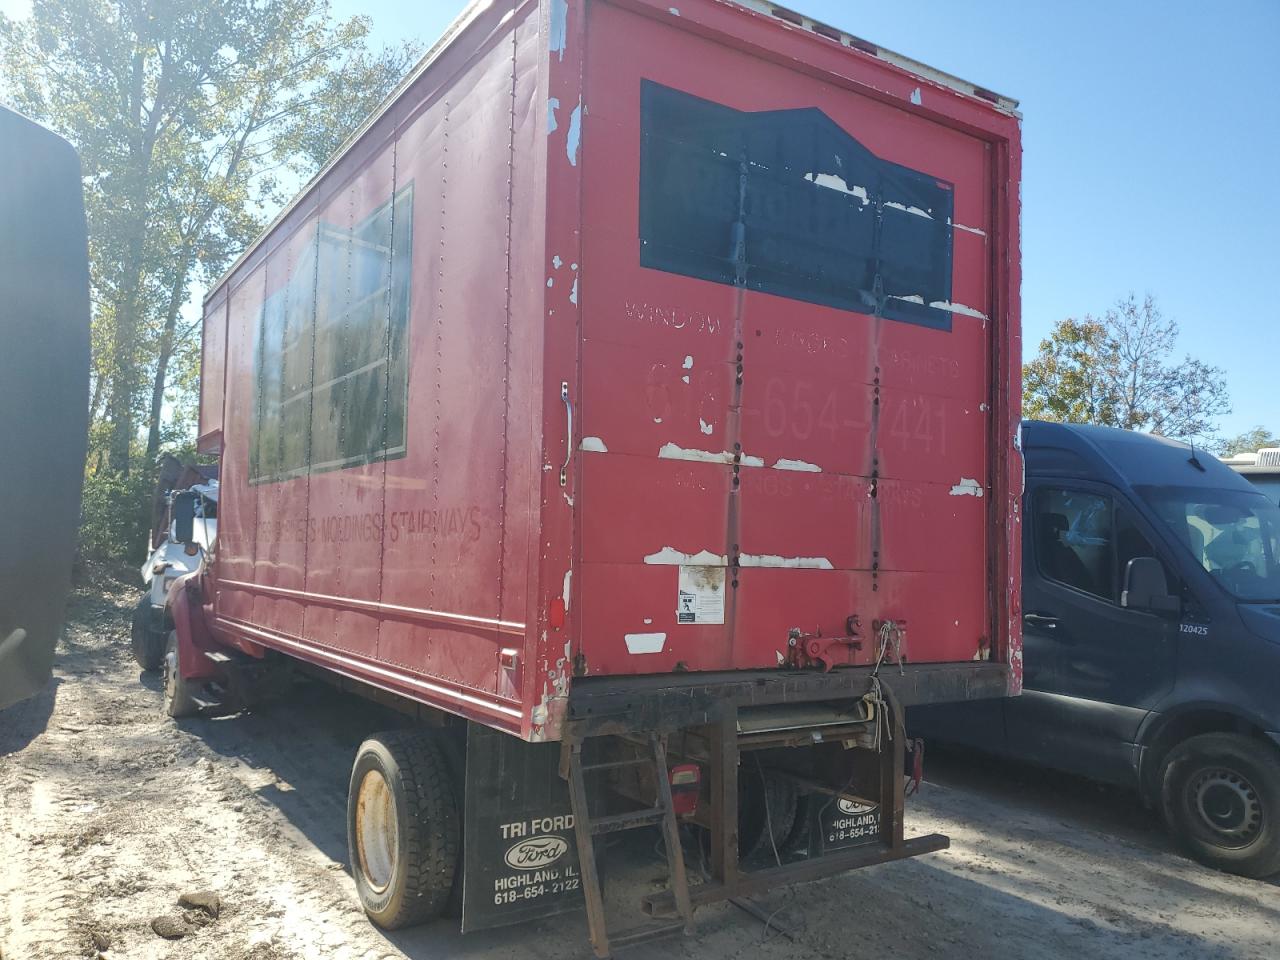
(700, 595)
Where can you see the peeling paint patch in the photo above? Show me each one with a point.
(967, 487)
(836, 182)
(559, 26)
(685, 378)
(556, 261)
(574, 138)
(568, 577)
(573, 292)
(648, 620)
(910, 298)
(915, 211)
(705, 427)
(773, 560)
(567, 499)
(593, 444)
(672, 556)
(961, 226)
(801, 465)
(670, 451)
(688, 363)
(958, 308)
(750, 461)
(657, 419)
(674, 11)
(915, 96)
(645, 642)
(551, 281)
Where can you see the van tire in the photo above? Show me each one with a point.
(178, 701)
(1220, 796)
(148, 644)
(403, 832)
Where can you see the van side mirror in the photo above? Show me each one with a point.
(1147, 588)
(184, 517)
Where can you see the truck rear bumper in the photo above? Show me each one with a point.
(610, 705)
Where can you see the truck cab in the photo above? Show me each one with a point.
(184, 529)
(1151, 618)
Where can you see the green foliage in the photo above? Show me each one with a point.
(193, 120)
(1250, 441)
(115, 517)
(1119, 370)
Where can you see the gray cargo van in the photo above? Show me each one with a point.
(1151, 606)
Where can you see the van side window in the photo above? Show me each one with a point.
(1074, 540)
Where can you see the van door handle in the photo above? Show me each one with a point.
(1040, 620)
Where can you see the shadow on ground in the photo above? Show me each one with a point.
(23, 722)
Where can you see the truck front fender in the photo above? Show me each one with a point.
(194, 637)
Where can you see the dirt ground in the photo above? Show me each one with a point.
(109, 812)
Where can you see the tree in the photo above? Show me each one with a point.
(1119, 371)
(192, 121)
(1248, 442)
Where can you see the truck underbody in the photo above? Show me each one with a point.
(775, 777)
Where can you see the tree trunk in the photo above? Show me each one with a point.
(165, 351)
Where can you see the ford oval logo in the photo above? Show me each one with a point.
(853, 807)
(536, 852)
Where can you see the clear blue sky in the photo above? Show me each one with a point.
(1151, 153)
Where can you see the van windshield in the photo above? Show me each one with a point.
(1234, 534)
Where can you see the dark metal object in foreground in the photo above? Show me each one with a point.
(44, 393)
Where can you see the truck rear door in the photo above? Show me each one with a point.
(786, 358)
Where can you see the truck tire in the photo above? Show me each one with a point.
(177, 694)
(1220, 794)
(402, 828)
(148, 644)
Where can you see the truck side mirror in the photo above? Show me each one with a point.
(184, 517)
(1147, 588)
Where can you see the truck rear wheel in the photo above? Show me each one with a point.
(148, 644)
(178, 701)
(402, 829)
(1221, 798)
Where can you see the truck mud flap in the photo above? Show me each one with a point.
(520, 858)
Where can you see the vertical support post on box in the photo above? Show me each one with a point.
(724, 798)
(893, 800)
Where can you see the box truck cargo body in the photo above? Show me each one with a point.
(634, 367)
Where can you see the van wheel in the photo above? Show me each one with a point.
(178, 701)
(1220, 794)
(402, 829)
(148, 644)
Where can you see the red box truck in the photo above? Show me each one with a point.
(637, 391)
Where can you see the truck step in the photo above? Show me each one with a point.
(646, 933)
(631, 820)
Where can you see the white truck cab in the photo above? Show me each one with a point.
(192, 514)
